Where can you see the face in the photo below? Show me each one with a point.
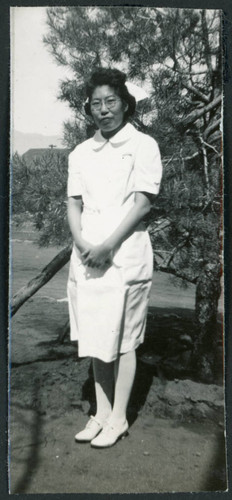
(107, 108)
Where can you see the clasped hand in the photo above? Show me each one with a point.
(97, 256)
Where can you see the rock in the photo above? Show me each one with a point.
(202, 411)
(185, 399)
(195, 392)
(173, 393)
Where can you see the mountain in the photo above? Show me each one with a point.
(22, 142)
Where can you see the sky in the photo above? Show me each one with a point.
(35, 76)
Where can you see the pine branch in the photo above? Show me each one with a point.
(172, 270)
(212, 127)
(195, 115)
(166, 161)
(188, 86)
(196, 91)
(163, 225)
(194, 155)
(176, 249)
(211, 147)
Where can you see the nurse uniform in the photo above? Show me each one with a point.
(108, 307)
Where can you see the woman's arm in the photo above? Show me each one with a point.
(74, 218)
(99, 254)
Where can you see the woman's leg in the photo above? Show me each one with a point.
(124, 373)
(104, 384)
(124, 369)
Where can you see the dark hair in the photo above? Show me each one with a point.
(115, 79)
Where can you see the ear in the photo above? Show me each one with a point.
(125, 106)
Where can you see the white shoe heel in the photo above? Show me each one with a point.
(124, 435)
(110, 435)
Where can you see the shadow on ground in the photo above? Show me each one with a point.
(32, 460)
(216, 479)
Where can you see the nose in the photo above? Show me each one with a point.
(104, 109)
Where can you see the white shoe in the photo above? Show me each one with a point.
(110, 435)
(91, 430)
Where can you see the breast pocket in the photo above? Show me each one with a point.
(126, 159)
(119, 173)
(124, 166)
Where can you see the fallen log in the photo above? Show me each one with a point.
(41, 279)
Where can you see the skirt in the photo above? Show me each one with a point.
(108, 307)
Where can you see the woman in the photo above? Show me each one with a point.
(112, 179)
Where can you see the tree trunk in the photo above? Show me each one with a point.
(41, 279)
(208, 291)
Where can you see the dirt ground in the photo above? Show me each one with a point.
(176, 436)
(157, 456)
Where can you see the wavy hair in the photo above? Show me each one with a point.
(115, 79)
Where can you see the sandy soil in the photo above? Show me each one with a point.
(176, 435)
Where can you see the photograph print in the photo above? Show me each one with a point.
(116, 345)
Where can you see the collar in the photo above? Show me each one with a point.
(124, 135)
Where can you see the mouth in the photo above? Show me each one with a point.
(105, 120)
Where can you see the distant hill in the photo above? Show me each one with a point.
(22, 142)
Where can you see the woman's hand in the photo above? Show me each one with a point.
(97, 256)
(82, 245)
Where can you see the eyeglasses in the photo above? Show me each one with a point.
(110, 103)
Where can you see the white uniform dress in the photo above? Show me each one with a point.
(108, 307)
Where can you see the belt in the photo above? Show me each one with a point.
(120, 209)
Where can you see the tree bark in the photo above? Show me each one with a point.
(41, 279)
(208, 291)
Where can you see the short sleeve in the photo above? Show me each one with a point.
(74, 187)
(148, 166)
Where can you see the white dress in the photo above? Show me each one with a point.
(108, 307)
